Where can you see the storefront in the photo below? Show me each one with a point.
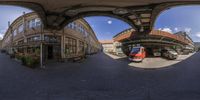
(52, 47)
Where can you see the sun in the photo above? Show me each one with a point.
(109, 22)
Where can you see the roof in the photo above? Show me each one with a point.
(184, 33)
(128, 35)
(127, 30)
(106, 41)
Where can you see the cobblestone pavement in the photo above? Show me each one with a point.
(152, 62)
(159, 62)
(99, 78)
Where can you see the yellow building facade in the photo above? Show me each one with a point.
(26, 35)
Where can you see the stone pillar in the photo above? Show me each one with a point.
(63, 45)
(77, 46)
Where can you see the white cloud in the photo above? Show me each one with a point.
(198, 34)
(2, 32)
(166, 29)
(1, 36)
(188, 30)
(109, 22)
(176, 29)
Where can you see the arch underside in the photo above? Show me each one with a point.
(140, 15)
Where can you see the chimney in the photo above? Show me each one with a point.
(8, 23)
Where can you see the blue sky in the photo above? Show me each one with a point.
(183, 18)
(9, 13)
(106, 27)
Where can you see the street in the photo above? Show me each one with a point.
(99, 77)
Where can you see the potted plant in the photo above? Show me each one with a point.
(30, 61)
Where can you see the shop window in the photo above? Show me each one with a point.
(52, 39)
(33, 50)
(33, 39)
(70, 46)
(29, 50)
(81, 47)
(20, 50)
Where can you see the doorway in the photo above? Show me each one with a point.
(50, 52)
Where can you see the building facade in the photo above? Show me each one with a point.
(110, 46)
(107, 46)
(26, 35)
(187, 38)
(156, 39)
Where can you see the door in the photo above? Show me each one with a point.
(50, 52)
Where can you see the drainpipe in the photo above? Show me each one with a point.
(62, 45)
(41, 53)
(41, 47)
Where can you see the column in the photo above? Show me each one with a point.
(63, 45)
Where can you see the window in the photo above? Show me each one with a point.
(73, 25)
(21, 28)
(37, 22)
(20, 50)
(36, 38)
(33, 50)
(81, 29)
(28, 24)
(70, 46)
(33, 39)
(52, 39)
(86, 34)
(15, 32)
(69, 25)
(32, 23)
(20, 42)
(81, 47)
(76, 27)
